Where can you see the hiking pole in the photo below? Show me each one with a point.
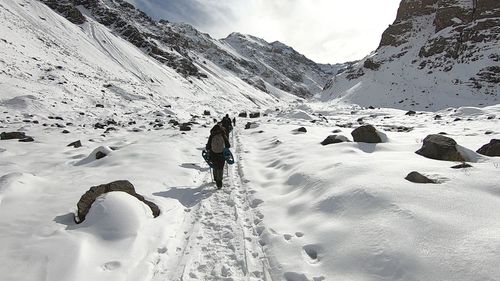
(211, 175)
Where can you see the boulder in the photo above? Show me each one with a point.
(490, 149)
(417, 177)
(85, 202)
(185, 127)
(99, 126)
(410, 113)
(251, 125)
(206, 113)
(27, 139)
(255, 115)
(76, 144)
(100, 155)
(12, 135)
(440, 147)
(302, 129)
(65, 132)
(242, 114)
(462, 166)
(366, 133)
(334, 139)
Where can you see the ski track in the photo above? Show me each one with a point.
(220, 235)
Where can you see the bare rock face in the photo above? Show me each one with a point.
(440, 147)
(91, 195)
(452, 41)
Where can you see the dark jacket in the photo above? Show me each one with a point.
(217, 158)
(226, 123)
(217, 129)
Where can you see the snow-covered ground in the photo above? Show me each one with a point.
(290, 209)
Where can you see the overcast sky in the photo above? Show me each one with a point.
(326, 31)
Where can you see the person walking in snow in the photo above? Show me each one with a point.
(234, 121)
(226, 123)
(217, 142)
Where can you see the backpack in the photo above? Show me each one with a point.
(218, 144)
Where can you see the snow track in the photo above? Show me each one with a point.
(221, 236)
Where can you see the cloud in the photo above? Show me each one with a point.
(326, 31)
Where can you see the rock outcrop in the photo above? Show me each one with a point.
(446, 48)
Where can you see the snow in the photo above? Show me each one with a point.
(290, 209)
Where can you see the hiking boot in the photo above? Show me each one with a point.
(219, 184)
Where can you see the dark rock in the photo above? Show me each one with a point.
(410, 113)
(65, 132)
(99, 126)
(100, 155)
(437, 117)
(76, 144)
(366, 133)
(173, 122)
(99, 105)
(462, 166)
(491, 117)
(416, 177)
(371, 64)
(206, 113)
(86, 201)
(331, 139)
(242, 114)
(371, 107)
(491, 149)
(336, 131)
(12, 135)
(251, 125)
(110, 129)
(254, 114)
(27, 139)
(185, 127)
(440, 147)
(457, 119)
(302, 129)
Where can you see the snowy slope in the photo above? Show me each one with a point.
(290, 209)
(269, 67)
(437, 54)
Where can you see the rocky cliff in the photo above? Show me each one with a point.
(437, 53)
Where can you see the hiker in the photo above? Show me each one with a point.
(226, 123)
(234, 121)
(216, 143)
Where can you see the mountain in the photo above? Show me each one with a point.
(259, 63)
(437, 53)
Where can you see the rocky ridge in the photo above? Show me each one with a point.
(441, 48)
(180, 46)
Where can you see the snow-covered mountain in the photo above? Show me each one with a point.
(100, 97)
(437, 53)
(259, 63)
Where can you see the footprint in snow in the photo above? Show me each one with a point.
(162, 250)
(287, 237)
(312, 252)
(299, 234)
(112, 265)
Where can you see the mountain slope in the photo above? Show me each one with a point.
(261, 64)
(48, 62)
(438, 53)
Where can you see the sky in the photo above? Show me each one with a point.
(326, 31)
